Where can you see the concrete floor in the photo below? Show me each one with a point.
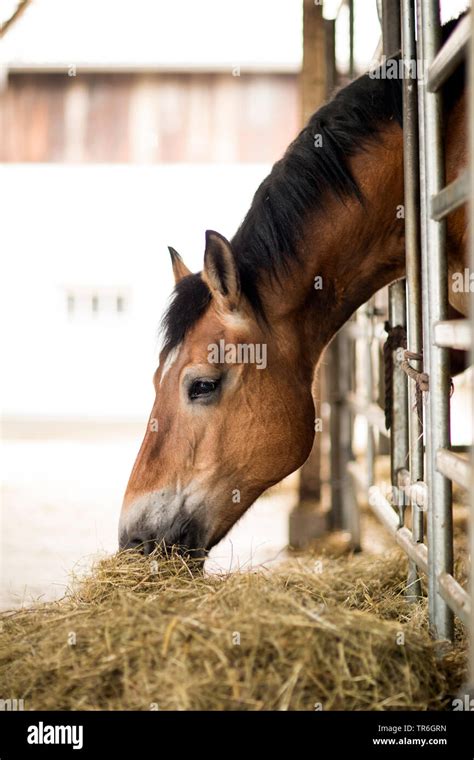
(61, 498)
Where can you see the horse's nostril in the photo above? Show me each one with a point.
(183, 534)
(130, 543)
(143, 546)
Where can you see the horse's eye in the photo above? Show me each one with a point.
(202, 388)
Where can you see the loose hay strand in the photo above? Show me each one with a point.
(151, 632)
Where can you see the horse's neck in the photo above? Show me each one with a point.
(347, 253)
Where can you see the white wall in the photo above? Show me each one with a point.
(100, 227)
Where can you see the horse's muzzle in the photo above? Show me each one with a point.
(184, 536)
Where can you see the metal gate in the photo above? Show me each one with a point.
(423, 463)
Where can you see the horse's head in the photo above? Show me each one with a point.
(233, 412)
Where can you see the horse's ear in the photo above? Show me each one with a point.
(180, 269)
(220, 270)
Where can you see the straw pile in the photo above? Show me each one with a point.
(149, 633)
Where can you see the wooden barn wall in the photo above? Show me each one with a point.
(121, 117)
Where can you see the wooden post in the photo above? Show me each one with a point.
(317, 79)
(313, 75)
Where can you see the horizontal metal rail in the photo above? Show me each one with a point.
(385, 513)
(373, 413)
(453, 333)
(358, 332)
(452, 592)
(454, 467)
(449, 56)
(450, 197)
(454, 595)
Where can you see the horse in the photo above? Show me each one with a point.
(322, 235)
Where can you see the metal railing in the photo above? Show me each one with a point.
(423, 464)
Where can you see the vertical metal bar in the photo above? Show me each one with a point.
(397, 298)
(350, 510)
(381, 305)
(330, 55)
(335, 516)
(368, 391)
(390, 27)
(413, 267)
(399, 427)
(351, 39)
(435, 292)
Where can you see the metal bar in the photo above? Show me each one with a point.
(450, 197)
(435, 302)
(358, 332)
(351, 38)
(454, 467)
(449, 56)
(391, 37)
(452, 592)
(383, 442)
(371, 411)
(330, 55)
(455, 333)
(413, 269)
(350, 510)
(454, 595)
(390, 27)
(369, 391)
(399, 451)
(384, 511)
(335, 516)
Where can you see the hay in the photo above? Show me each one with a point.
(147, 633)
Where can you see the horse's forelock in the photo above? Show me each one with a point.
(189, 301)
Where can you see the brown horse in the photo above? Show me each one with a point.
(233, 412)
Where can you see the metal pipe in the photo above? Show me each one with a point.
(391, 36)
(450, 55)
(454, 595)
(390, 27)
(372, 412)
(435, 291)
(452, 592)
(455, 333)
(383, 510)
(351, 39)
(399, 428)
(413, 266)
(450, 197)
(335, 516)
(369, 391)
(454, 467)
(350, 510)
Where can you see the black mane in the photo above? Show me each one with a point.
(300, 182)
(297, 185)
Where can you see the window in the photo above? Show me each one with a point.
(83, 303)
